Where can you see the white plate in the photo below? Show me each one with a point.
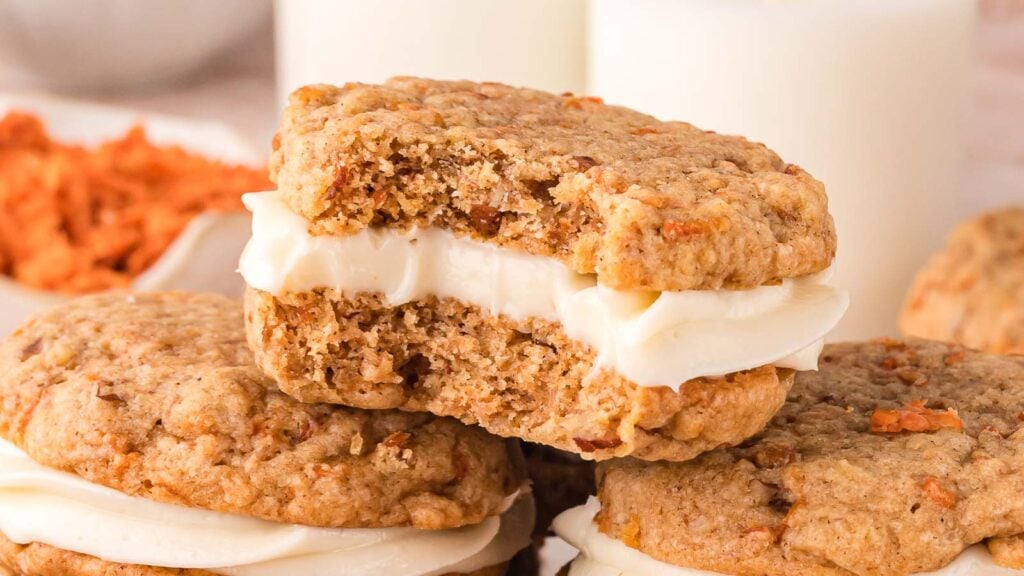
(204, 256)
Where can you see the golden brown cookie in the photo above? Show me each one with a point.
(972, 291)
(892, 459)
(523, 380)
(156, 396)
(167, 404)
(642, 203)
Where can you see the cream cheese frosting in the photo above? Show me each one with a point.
(40, 504)
(601, 555)
(651, 338)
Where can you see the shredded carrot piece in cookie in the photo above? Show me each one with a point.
(938, 493)
(914, 417)
(74, 219)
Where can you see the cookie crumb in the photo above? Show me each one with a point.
(355, 445)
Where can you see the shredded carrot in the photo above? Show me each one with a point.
(938, 493)
(75, 219)
(914, 417)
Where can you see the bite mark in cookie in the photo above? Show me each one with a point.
(602, 188)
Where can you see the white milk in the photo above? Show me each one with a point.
(867, 95)
(536, 43)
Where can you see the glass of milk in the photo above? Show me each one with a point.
(867, 95)
(535, 43)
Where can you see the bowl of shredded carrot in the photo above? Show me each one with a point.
(120, 212)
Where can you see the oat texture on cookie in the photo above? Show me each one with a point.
(642, 203)
(825, 490)
(168, 405)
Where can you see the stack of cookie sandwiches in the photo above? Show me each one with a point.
(547, 267)
(896, 458)
(139, 439)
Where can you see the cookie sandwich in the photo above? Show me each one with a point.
(549, 267)
(972, 291)
(896, 458)
(140, 439)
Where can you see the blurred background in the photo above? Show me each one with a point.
(910, 111)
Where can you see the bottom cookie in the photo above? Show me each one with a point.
(137, 438)
(895, 458)
(42, 560)
(602, 555)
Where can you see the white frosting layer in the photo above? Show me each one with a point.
(651, 338)
(601, 555)
(40, 504)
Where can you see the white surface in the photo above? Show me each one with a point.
(105, 43)
(40, 504)
(204, 255)
(868, 96)
(651, 338)
(537, 43)
(604, 556)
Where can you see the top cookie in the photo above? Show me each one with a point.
(890, 460)
(972, 292)
(157, 396)
(642, 203)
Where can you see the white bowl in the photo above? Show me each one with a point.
(108, 43)
(203, 258)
